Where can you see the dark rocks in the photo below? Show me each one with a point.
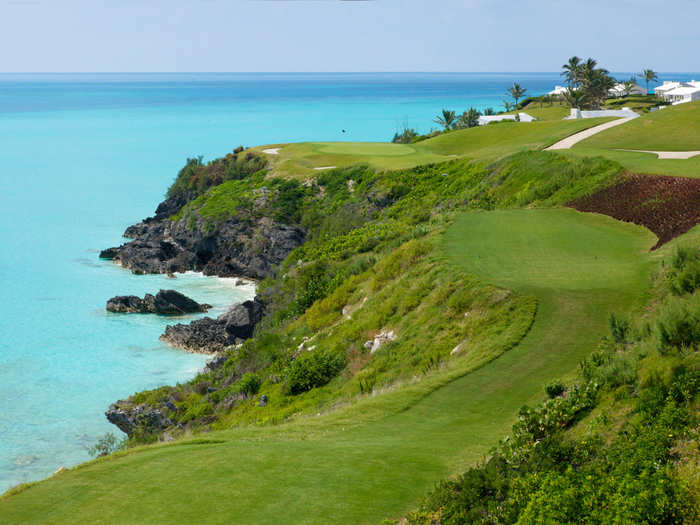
(126, 304)
(165, 302)
(216, 362)
(141, 417)
(240, 246)
(109, 253)
(215, 335)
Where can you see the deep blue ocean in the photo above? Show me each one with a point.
(83, 156)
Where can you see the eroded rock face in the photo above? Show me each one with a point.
(165, 302)
(215, 335)
(130, 418)
(250, 248)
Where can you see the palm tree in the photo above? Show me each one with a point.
(595, 83)
(516, 92)
(650, 76)
(468, 119)
(574, 97)
(571, 70)
(629, 86)
(589, 65)
(489, 111)
(447, 119)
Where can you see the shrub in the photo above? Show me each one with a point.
(405, 137)
(313, 369)
(684, 275)
(555, 389)
(249, 384)
(197, 177)
(106, 445)
(678, 325)
(197, 411)
(619, 328)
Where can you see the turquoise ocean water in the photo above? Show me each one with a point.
(84, 156)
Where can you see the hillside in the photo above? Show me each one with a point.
(674, 128)
(421, 307)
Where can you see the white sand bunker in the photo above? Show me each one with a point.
(324, 168)
(272, 151)
(678, 155)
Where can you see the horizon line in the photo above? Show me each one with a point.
(294, 72)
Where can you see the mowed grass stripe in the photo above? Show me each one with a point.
(382, 468)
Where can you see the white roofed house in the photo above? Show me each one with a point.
(664, 88)
(679, 92)
(620, 90)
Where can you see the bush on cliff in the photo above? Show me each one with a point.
(313, 369)
(198, 176)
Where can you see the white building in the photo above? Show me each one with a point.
(620, 90)
(597, 113)
(487, 119)
(558, 91)
(679, 92)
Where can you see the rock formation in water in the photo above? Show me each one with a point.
(214, 335)
(165, 302)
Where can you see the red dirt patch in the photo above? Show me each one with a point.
(668, 206)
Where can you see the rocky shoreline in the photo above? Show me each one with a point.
(249, 246)
(211, 336)
(238, 247)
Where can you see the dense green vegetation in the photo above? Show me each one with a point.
(197, 176)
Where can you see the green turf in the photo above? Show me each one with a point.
(675, 128)
(555, 111)
(484, 143)
(498, 140)
(636, 162)
(580, 266)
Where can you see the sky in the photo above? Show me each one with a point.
(350, 35)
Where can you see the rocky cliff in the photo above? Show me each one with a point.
(249, 247)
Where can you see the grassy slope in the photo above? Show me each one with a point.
(363, 474)
(647, 163)
(483, 143)
(676, 128)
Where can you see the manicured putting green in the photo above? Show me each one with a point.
(366, 148)
(380, 469)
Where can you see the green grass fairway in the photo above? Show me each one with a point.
(675, 128)
(580, 266)
(641, 162)
(485, 143)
